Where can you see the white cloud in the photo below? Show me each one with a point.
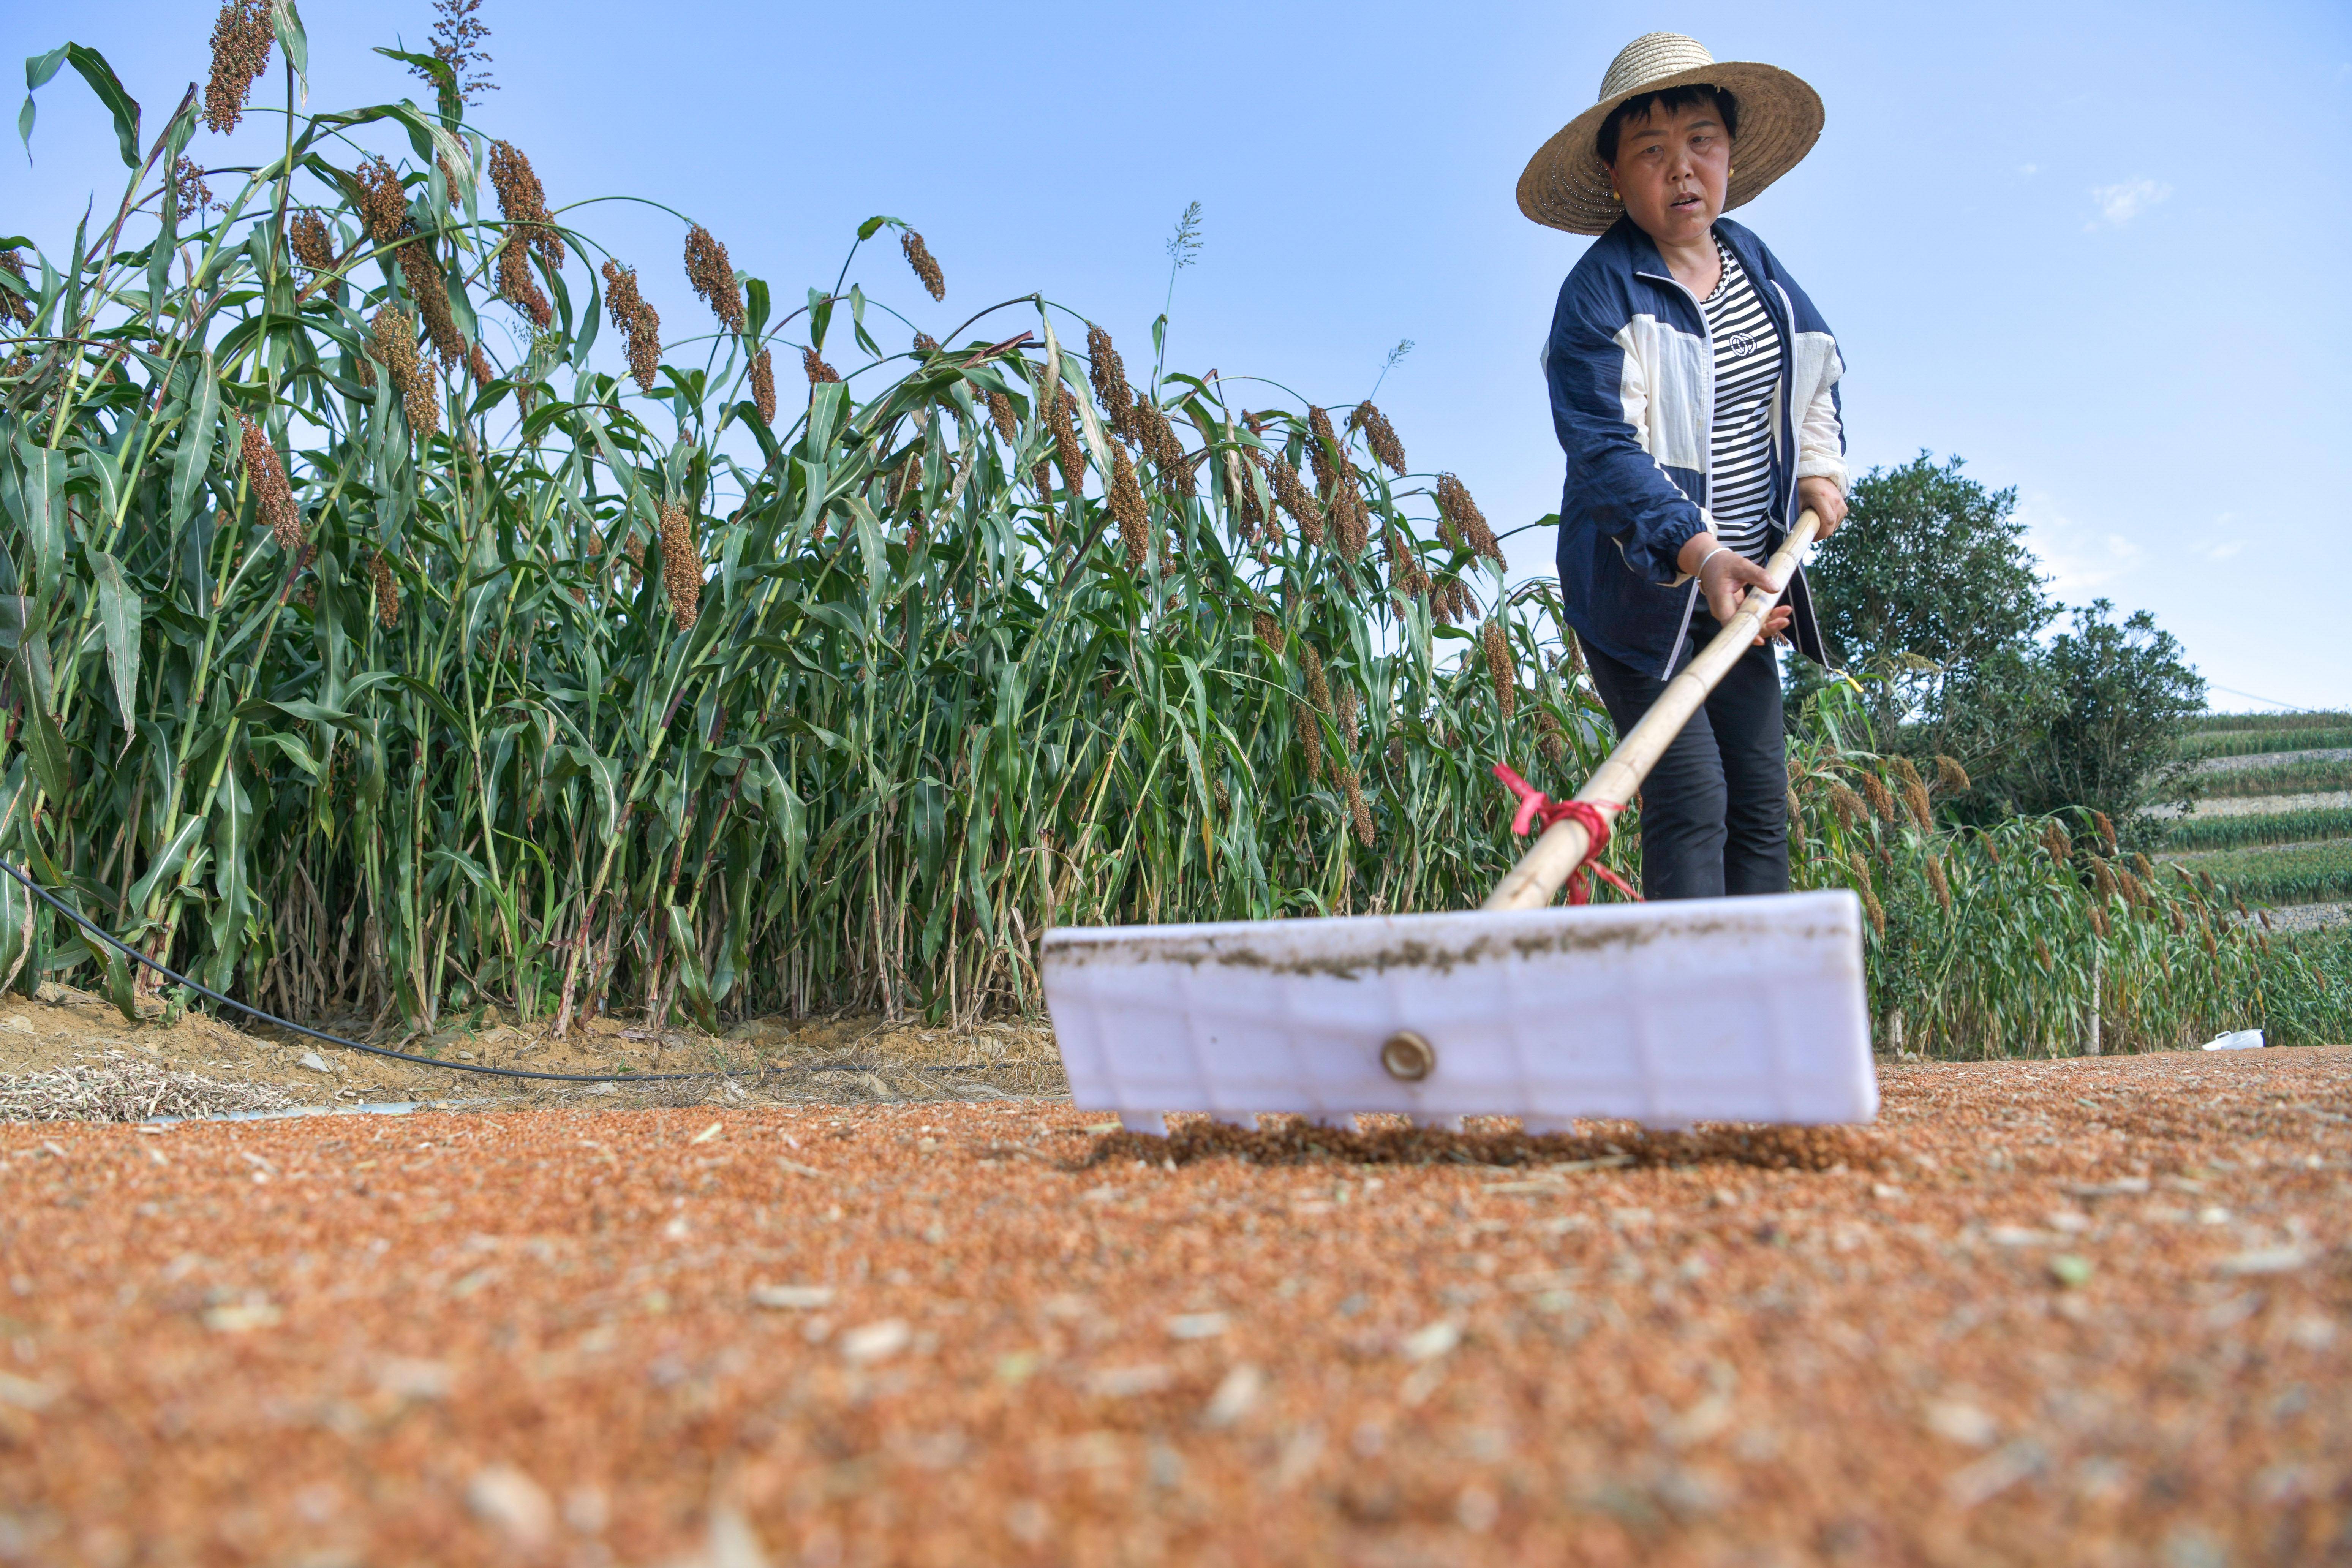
(2119, 205)
(2029, 170)
(2079, 561)
(2218, 543)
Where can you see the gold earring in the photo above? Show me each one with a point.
(1615, 197)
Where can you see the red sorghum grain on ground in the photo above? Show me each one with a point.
(2088, 1311)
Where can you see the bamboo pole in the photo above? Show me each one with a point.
(1536, 879)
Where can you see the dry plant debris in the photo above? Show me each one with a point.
(120, 1087)
(2086, 1312)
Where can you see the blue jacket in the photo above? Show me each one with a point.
(1631, 373)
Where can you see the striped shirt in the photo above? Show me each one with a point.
(1746, 371)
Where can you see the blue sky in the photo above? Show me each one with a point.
(2094, 249)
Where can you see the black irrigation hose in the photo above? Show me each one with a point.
(54, 902)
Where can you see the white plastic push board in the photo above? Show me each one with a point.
(1696, 1010)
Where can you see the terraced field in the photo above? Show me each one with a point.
(2275, 823)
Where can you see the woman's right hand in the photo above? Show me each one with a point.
(1724, 576)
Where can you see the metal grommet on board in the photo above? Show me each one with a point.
(1408, 1055)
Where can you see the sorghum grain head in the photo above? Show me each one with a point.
(387, 589)
(1248, 513)
(1380, 437)
(519, 286)
(1904, 769)
(1462, 516)
(1795, 813)
(681, 565)
(713, 276)
(478, 364)
(919, 256)
(1550, 741)
(273, 499)
(1950, 777)
(2103, 877)
(1499, 670)
(639, 322)
(1069, 455)
(1303, 508)
(1349, 715)
(2107, 830)
(818, 373)
(1322, 444)
(1157, 435)
(1915, 797)
(1936, 881)
(188, 193)
(1358, 814)
(384, 201)
(242, 35)
(1882, 803)
(1847, 806)
(1269, 630)
(1351, 519)
(431, 293)
(1000, 413)
(907, 477)
(926, 345)
(1318, 685)
(1177, 479)
(2098, 922)
(313, 247)
(524, 202)
(13, 305)
(1126, 506)
(1310, 737)
(763, 385)
(2141, 864)
(392, 339)
(621, 300)
(1109, 375)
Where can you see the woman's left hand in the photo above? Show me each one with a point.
(1823, 498)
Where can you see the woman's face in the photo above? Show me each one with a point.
(1672, 168)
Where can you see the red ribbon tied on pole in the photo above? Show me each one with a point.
(1538, 808)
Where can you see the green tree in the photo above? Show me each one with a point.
(2108, 707)
(1930, 596)
(1929, 565)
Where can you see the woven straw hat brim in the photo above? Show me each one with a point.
(1564, 185)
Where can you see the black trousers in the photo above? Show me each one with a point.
(1715, 811)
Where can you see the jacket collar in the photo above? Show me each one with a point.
(1641, 255)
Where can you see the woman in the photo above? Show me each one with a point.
(1694, 388)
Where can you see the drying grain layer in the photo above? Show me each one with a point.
(2087, 1313)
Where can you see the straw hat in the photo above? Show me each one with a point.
(1565, 185)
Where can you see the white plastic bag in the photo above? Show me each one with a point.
(2236, 1040)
